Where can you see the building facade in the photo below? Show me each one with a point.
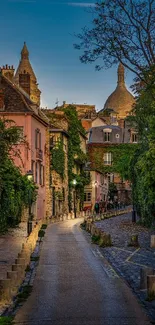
(16, 104)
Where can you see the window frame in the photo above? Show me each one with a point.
(107, 158)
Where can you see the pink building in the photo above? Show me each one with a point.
(18, 103)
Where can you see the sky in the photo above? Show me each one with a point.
(49, 28)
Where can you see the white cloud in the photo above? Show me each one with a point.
(82, 4)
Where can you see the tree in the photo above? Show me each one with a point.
(15, 189)
(123, 31)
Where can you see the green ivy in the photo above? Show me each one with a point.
(75, 155)
(16, 191)
(58, 159)
(121, 155)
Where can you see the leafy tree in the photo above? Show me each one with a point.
(16, 191)
(122, 31)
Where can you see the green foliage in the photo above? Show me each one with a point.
(76, 157)
(121, 156)
(142, 164)
(44, 226)
(6, 320)
(121, 31)
(95, 239)
(41, 233)
(24, 294)
(58, 158)
(16, 191)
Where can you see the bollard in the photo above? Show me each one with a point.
(152, 244)
(5, 290)
(134, 241)
(144, 272)
(21, 271)
(20, 261)
(13, 276)
(151, 286)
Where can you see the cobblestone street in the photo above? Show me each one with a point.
(127, 261)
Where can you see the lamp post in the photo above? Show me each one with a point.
(29, 222)
(74, 193)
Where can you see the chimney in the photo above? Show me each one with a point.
(1, 94)
(8, 71)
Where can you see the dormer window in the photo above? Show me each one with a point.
(106, 136)
(134, 138)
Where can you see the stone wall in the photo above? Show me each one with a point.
(14, 278)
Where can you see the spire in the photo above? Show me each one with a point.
(24, 52)
(25, 77)
(120, 73)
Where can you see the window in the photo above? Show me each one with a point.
(110, 178)
(117, 136)
(21, 133)
(107, 158)
(41, 175)
(87, 197)
(106, 136)
(134, 137)
(37, 139)
(36, 174)
(40, 178)
(32, 166)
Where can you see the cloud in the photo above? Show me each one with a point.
(82, 4)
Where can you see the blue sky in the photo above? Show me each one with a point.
(48, 27)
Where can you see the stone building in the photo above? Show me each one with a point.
(58, 134)
(21, 105)
(108, 130)
(59, 125)
(25, 77)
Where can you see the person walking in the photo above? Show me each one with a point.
(96, 208)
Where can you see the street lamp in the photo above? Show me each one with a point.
(74, 193)
(29, 175)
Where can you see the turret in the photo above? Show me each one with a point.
(25, 77)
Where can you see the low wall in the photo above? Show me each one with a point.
(10, 285)
(108, 214)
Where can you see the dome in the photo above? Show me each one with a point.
(121, 100)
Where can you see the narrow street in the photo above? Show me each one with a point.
(72, 287)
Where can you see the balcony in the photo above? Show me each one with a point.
(39, 154)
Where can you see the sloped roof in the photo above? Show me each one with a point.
(16, 100)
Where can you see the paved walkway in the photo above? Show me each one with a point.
(74, 286)
(126, 260)
(10, 246)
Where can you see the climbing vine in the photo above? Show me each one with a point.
(76, 157)
(121, 155)
(58, 158)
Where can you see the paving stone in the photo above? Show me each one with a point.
(128, 261)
